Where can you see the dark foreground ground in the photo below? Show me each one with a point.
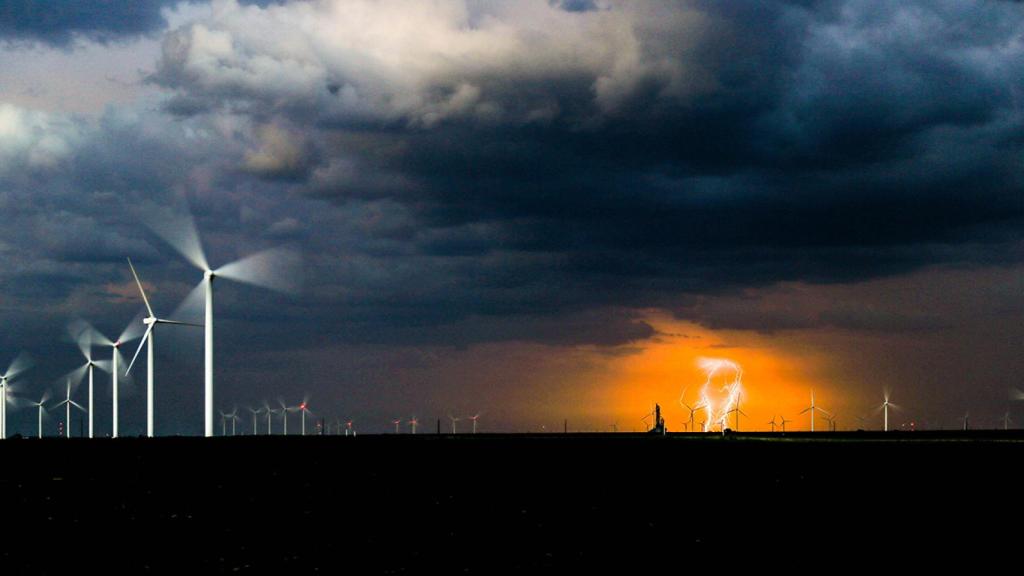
(503, 504)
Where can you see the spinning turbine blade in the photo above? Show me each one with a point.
(133, 330)
(278, 269)
(21, 363)
(178, 229)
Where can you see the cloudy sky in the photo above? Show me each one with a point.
(535, 209)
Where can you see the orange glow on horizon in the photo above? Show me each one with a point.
(775, 382)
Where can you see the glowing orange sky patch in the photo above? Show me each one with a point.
(775, 382)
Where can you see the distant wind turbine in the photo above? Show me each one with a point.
(884, 407)
(474, 418)
(772, 422)
(85, 335)
(89, 336)
(397, 422)
(21, 363)
(413, 423)
(304, 409)
(40, 406)
(275, 269)
(147, 340)
(812, 409)
(783, 422)
(455, 420)
(255, 413)
(68, 403)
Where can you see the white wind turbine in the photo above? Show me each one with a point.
(255, 413)
(455, 420)
(284, 413)
(413, 423)
(812, 409)
(397, 422)
(68, 403)
(474, 418)
(884, 407)
(87, 336)
(147, 340)
(40, 406)
(18, 365)
(304, 409)
(270, 414)
(275, 269)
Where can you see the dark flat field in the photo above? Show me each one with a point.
(497, 503)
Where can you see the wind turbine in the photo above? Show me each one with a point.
(397, 422)
(255, 412)
(783, 423)
(274, 269)
(413, 424)
(84, 335)
(270, 412)
(812, 409)
(738, 412)
(41, 408)
(68, 403)
(967, 421)
(885, 409)
(223, 423)
(304, 409)
(284, 414)
(234, 419)
(87, 336)
(1007, 421)
(772, 422)
(147, 340)
(455, 420)
(18, 365)
(474, 418)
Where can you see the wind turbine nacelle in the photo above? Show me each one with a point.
(148, 321)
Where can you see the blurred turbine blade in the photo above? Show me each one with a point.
(278, 269)
(178, 229)
(133, 330)
(141, 291)
(77, 405)
(104, 365)
(141, 344)
(193, 307)
(74, 378)
(1016, 394)
(21, 363)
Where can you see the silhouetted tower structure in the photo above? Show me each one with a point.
(659, 422)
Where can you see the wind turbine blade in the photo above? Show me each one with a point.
(141, 344)
(104, 365)
(179, 231)
(193, 306)
(74, 378)
(1016, 394)
(20, 363)
(805, 410)
(133, 330)
(278, 269)
(77, 405)
(177, 323)
(141, 291)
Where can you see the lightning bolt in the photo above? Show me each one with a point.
(718, 412)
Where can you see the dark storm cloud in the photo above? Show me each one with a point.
(552, 158)
(515, 169)
(59, 22)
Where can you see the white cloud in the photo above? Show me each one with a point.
(419, 62)
(33, 139)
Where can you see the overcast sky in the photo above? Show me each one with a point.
(531, 208)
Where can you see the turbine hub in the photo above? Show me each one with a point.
(148, 321)
(209, 274)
